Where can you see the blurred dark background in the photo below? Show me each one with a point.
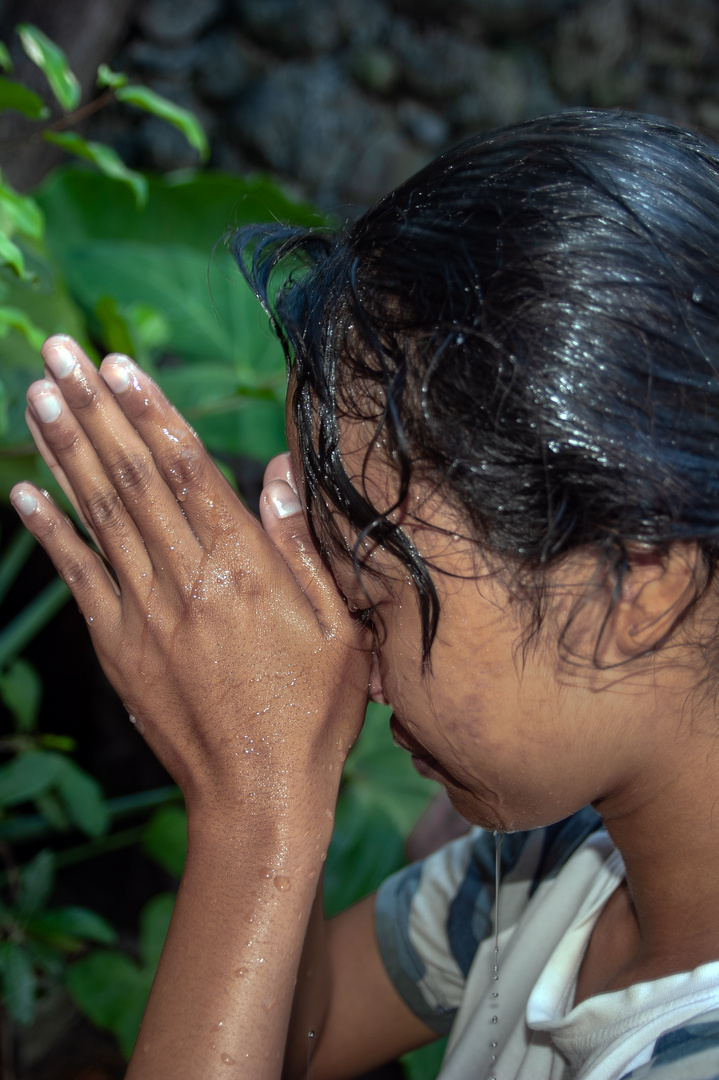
(344, 98)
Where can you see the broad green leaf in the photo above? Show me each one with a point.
(66, 928)
(28, 775)
(49, 805)
(11, 255)
(154, 922)
(192, 212)
(3, 407)
(104, 157)
(15, 96)
(5, 61)
(425, 1063)
(366, 848)
(112, 992)
(82, 798)
(165, 838)
(53, 63)
(18, 981)
(12, 318)
(107, 77)
(20, 212)
(21, 692)
(36, 882)
(183, 119)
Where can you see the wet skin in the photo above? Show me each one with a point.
(255, 730)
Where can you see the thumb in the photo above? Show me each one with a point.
(285, 523)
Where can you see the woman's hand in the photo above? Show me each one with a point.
(229, 644)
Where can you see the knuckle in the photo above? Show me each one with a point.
(105, 509)
(76, 574)
(186, 468)
(132, 473)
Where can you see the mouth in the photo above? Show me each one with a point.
(425, 763)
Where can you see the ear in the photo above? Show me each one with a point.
(657, 591)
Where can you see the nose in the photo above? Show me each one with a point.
(375, 682)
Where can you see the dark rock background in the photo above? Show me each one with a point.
(344, 98)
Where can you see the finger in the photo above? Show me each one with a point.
(285, 523)
(208, 501)
(92, 428)
(80, 568)
(98, 503)
(57, 471)
(280, 468)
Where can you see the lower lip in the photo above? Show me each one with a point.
(424, 767)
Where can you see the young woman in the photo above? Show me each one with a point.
(500, 514)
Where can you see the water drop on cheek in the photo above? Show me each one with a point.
(282, 883)
(226, 1059)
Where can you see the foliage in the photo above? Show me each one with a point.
(131, 263)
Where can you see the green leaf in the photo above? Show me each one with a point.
(165, 838)
(21, 212)
(154, 922)
(107, 77)
(112, 992)
(24, 627)
(13, 558)
(5, 61)
(53, 63)
(104, 157)
(27, 776)
(21, 692)
(425, 1063)
(11, 255)
(36, 882)
(15, 96)
(187, 122)
(82, 798)
(48, 804)
(66, 928)
(18, 981)
(12, 318)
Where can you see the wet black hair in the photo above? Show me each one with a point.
(531, 322)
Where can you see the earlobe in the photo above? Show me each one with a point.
(657, 592)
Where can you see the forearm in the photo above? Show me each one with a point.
(221, 1000)
(312, 995)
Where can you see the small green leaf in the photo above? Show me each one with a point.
(187, 122)
(11, 255)
(28, 775)
(105, 158)
(15, 96)
(49, 805)
(107, 77)
(12, 318)
(165, 838)
(5, 61)
(53, 63)
(36, 881)
(18, 981)
(112, 992)
(66, 928)
(154, 922)
(82, 798)
(21, 212)
(21, 691)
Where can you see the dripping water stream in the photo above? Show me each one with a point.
(495, 969)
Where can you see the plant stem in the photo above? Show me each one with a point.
(14, 558)
(23, 628)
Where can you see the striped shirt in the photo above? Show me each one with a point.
(435, 924)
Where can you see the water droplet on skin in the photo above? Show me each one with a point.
(240, 973)
(226, 1059)
(282, 883)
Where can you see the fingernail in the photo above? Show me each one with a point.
(118, 375)
(47, 407)
(282, 503)
(60, 360)
(24, 502)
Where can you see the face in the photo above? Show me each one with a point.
(519, 737)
